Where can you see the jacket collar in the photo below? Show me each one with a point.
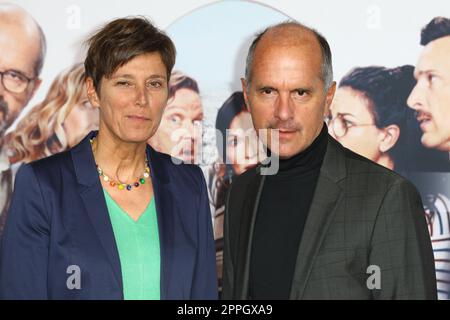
(326, 197)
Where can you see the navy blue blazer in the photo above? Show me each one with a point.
(58, 224)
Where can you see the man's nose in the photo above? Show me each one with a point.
(415, 99)
(284, 108)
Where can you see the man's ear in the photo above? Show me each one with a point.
(329, 98)
(391, 136)
(92, 93)
(244, 91)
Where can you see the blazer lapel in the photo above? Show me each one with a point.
(90, 190)
(326, 198)
(164, 209)
(246, 233)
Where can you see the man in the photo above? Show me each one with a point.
(430, 98)
(178, 133)
(330, 224)
(22, 51)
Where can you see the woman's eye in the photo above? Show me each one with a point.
(233, 141)
(86, 104)
(348, 124)
(123, 83)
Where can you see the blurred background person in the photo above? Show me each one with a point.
(22, 53)
(369, 116)
(238, 149)
(57, 123)
(179, 133)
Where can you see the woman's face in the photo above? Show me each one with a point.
(82, 119)
(180, 129)
(132, 100)
(363, 137)
(242, 143)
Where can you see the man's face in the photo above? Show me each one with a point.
(287, 93)
(431, 95)
(179, 133)
(19, 51)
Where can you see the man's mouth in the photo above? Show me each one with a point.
(423, 117)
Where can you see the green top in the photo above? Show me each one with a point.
(138, 245)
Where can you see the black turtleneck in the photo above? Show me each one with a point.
(283, 208)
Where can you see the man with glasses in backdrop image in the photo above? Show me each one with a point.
(22, 52)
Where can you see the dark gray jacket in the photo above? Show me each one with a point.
(362, 217)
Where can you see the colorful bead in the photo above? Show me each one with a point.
(122, 186)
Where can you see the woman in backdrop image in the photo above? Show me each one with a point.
(179, 133)
(111, 218)
(369, 116)
(57, 123)
(238, 150)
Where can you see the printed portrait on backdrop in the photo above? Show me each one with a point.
(430, 99)
(57, 123)
(237, 146)
(22, 54)
(369, 115)
(54, 125)
(179, 133)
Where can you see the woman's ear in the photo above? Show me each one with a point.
(92, 93)
(391, 135)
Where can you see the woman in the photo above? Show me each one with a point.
(57, 123)
(369, 114)
(237, 144)
(112, 218)
(180, 130)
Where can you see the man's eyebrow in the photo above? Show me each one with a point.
(262, 87)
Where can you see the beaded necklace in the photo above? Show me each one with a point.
(120, 185)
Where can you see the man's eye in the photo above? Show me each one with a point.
(15, 76)
(301, 93)
(123, 83)
(155, 84)
(267, 91)
(175, 119)
(431, 78)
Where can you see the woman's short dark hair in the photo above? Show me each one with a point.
(386, 91)
(120, 41)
